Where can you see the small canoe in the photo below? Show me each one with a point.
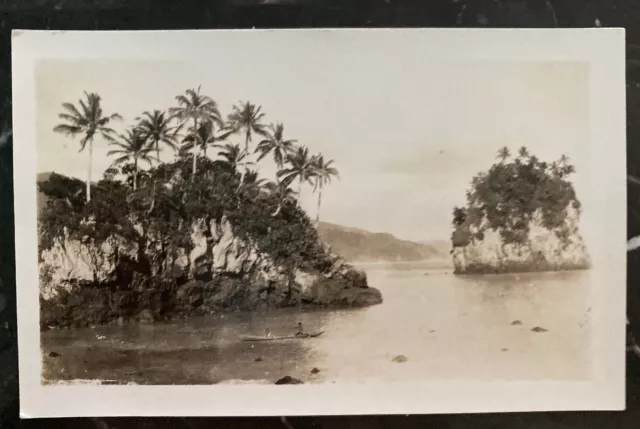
(286, 337)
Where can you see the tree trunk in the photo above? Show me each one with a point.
(319, 202)
(299, 190)
(89, 177)
(158, 151)
(135, 173)
(246, 143)
(195, 146)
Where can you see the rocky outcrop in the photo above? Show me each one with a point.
(84, 283)
(543, 249)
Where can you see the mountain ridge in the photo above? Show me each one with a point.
(359, 245)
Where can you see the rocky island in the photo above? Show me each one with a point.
(149, 256)
(521, 215)
(192, 236)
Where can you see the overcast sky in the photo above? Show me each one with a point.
(407, 135)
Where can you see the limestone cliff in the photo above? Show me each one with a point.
(82, 283)
(182, 250)
(544, 249)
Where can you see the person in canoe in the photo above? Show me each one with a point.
(267, 333)
(299, 330)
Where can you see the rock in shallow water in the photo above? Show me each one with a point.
(287, 379)
(538, 329)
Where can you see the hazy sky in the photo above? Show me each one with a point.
(407, 136)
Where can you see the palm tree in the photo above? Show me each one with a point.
(133, 147)
(323, 172)
(503, 154)
(282, 193)
(252, 177)
(204, 137)
(523, 152)
(276, 144)
(156, 126)
(563, 161)
(246, 116)
(301, 167)
(234, 157)
(252, 181)
(88, 121)
(197, 108)
(564, 167)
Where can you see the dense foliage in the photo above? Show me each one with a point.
(168, 203)
(163, 202)
(514, 190)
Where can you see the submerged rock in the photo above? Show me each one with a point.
(538, 329)
(516, 323)
(287, 379)
(400, 358)
(315, 371)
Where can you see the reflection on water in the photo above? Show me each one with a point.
(471, 327)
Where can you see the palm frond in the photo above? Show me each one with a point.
(69, 130)
(73, 119)
(120, 145)
(71, 109)
(117, 152)
(122, 159)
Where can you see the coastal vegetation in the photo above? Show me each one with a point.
(205, 220)
(520, 199)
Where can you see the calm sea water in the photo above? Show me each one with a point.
(445, 326)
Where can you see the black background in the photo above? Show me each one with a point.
(212, 14)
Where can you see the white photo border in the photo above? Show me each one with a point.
(602, 49)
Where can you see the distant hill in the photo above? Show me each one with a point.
(358, 245)
(443, 246)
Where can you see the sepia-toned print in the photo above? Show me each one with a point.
(199, 239)
(264, 218)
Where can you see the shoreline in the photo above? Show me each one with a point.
(301, 309)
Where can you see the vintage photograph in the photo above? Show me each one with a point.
(339, 217)
(338, 235)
